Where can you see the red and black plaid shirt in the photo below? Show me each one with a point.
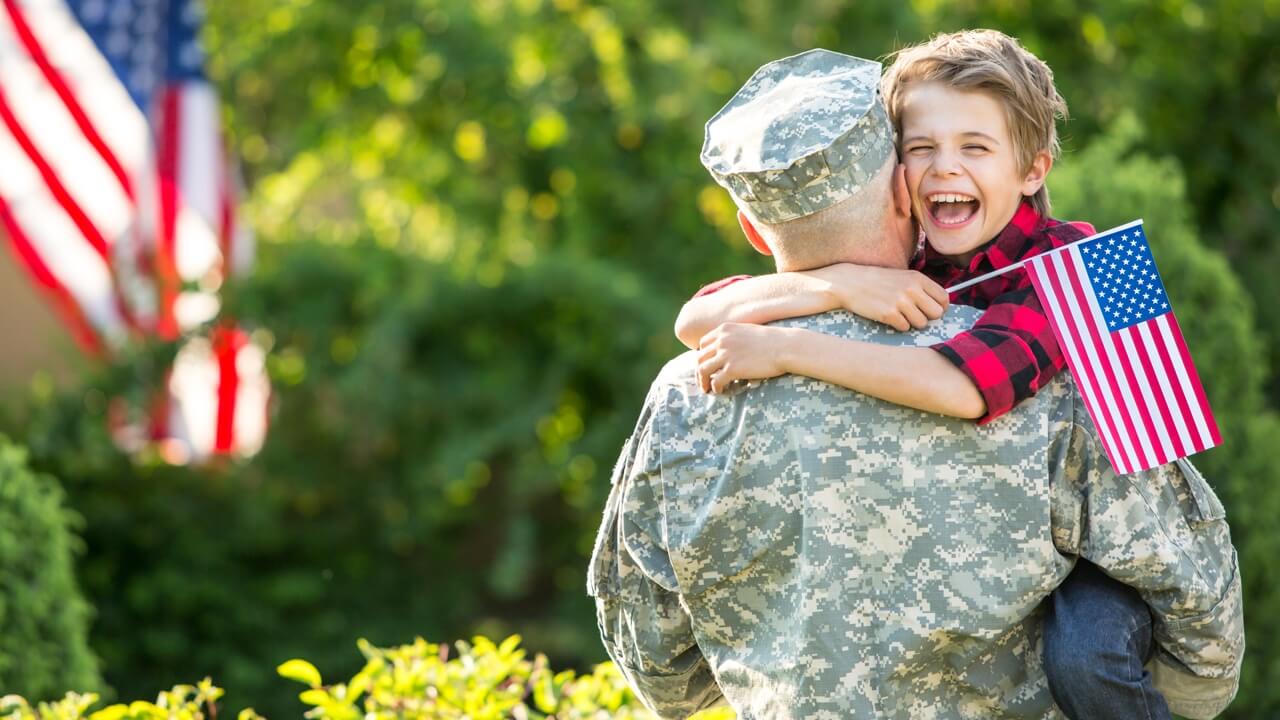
(1011, 352)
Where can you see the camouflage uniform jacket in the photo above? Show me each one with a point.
(808, 552)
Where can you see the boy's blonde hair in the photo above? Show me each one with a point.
(987, 61)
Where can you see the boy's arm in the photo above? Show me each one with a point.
(911, 376)
(1008, 354)
(757, 300)
(902, 299)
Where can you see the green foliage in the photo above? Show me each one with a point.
(484, 681)
(183, 702)
(44, 620)
(419, 681)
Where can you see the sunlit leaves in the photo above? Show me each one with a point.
(469, 141)
(549, 128)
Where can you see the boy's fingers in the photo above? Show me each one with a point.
(720, 380)
(898, 322)
(915, 317)
(920, 298)
(930, 307)
(706, 369)
(938, 293)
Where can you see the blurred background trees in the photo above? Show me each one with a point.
(477, 219)
(44, 619)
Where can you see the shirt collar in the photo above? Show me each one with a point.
(1006, 248)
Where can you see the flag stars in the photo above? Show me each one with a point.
(191, 56)
(1124, 278)
(93, 11)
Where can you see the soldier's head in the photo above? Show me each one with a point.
(806, 150)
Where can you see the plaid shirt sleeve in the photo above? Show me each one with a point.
(1010, 353)
(719, 285)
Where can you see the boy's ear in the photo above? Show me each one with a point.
(901, 195)
(1040, 166)
(753, 235)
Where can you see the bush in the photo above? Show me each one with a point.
(418, 681)
(44, 620)
(484, 681)
(183, 702)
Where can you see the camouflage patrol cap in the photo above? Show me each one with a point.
(804, 133)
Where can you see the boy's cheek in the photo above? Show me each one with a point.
(914, 174)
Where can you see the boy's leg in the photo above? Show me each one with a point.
(1097, 637)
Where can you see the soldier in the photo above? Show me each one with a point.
(802, 551)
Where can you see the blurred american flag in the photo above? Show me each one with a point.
(116, 191)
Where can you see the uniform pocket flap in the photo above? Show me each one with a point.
(1205, 506)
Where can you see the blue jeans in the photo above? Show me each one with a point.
(1097, 637)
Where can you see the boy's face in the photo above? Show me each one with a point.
(961, 166)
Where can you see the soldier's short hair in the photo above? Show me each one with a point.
(822, 237)
(986, 61)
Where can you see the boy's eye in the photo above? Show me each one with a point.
(975, 147)
(917, 149)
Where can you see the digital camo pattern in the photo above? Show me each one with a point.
(813, 553)
(802, 134)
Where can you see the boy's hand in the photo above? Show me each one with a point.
(901, 299)
(737, 351)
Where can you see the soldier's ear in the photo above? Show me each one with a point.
(753, 235)
(901, 195)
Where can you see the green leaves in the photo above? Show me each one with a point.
(300, 670)
(417, 681)
(481, 681)
(183, 702)
(44, 619)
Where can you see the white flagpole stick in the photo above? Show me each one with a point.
(988, 276)
(997, 273)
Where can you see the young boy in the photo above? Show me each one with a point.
(975, 115)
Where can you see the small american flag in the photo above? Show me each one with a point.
(1109, 310)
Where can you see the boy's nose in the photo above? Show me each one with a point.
(946, 163)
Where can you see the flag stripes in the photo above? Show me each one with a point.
(118, 199)
(56, 81)
(1138, 382)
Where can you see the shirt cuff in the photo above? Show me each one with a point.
(719, 285)
(981, 365)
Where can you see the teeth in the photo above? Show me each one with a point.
(949, 198)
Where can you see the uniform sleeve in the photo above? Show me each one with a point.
(642, 622)
(1009, 354)
(668, 675)
(720, 285)
(1164, 533)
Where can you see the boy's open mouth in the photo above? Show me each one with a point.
(949, 209)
